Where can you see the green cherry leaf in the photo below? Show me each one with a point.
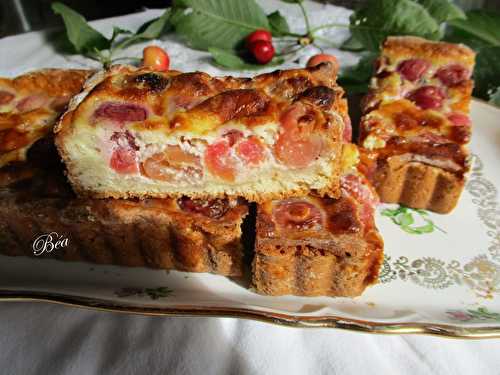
(378, 19)
(154, 28)
(229, 59)
(82, 36)
(217, 23)
(278, 23)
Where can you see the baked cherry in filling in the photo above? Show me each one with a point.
(413, 69)
(213, 208)
(124, 157)
(121, 112)
(453, 74)
(296, 147)
(297, 214)
(166, 165)
(427, 97)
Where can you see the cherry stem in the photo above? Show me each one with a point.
(306, 19)
(290, 52)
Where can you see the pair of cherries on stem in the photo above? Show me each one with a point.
(259, 44)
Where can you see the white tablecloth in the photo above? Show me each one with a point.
(44, 339)
(39, 338)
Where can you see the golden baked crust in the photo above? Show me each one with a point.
(402, 47)
(30, 105)
(400, 180)
(318, 246)
(416, 125)
(156, 233)
(225, 130)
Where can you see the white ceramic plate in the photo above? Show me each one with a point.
(446, 282)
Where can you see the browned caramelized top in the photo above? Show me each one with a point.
(173, 100)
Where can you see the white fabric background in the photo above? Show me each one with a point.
(39, 338)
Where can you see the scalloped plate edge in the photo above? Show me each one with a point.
(442, 330)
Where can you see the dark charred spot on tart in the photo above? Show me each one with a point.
(342, 215)
(294, 214)
(235, 104)
(213, 208)
(383, 74)
(291, 86)
(321, 96)
(152, 81)
(344, 222)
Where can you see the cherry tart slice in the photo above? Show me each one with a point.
(315, 246)
(41, 216)
(416, 124)
(139, 133)
(30, 105)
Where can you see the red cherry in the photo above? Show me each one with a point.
(427, 97)
(220, 162)
(260, 34)
(121, 112)
(413, 69)
(459, 119)
(155, 58)
(452, 75)
(251, 151)
(123, 160)
(213, 208)
(262, 50)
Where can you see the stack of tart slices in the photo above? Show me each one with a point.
(163, 166)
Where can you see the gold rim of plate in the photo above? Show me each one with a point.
(289, 320)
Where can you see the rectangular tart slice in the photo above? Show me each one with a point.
(30, 104)
(416, 124)
(318, 246)
(139, 133)
(181, 234)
